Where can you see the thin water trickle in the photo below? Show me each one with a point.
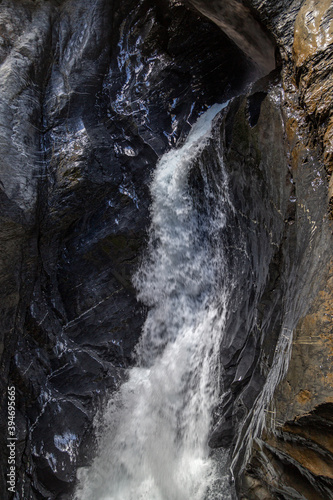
(153, 441)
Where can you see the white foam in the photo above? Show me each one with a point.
(153, 443)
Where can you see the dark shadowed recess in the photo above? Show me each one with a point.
(117, 84)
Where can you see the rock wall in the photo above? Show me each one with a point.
(92, 93)
(286, 311)
(290, 457)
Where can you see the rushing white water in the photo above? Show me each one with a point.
(153, 443)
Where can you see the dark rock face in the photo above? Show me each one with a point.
(289, 457)
(236, 19)
(289, 460)
(92, 93)
(280, 280)
(275, 427)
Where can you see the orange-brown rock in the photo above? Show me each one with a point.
(293, 457)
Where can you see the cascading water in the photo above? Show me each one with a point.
(153, 441)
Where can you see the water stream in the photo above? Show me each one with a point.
(153, 440)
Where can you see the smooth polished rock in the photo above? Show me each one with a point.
(91, 95)
(237, 21)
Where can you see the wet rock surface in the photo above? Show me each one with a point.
(288, 459)
(92, 93)
(278, 292)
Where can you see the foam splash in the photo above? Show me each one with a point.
(153, 443)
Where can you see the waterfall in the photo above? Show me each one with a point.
(153, 440)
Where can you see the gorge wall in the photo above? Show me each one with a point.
(92, 94)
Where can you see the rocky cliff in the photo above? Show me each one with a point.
(92, 93)
(290, 457)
